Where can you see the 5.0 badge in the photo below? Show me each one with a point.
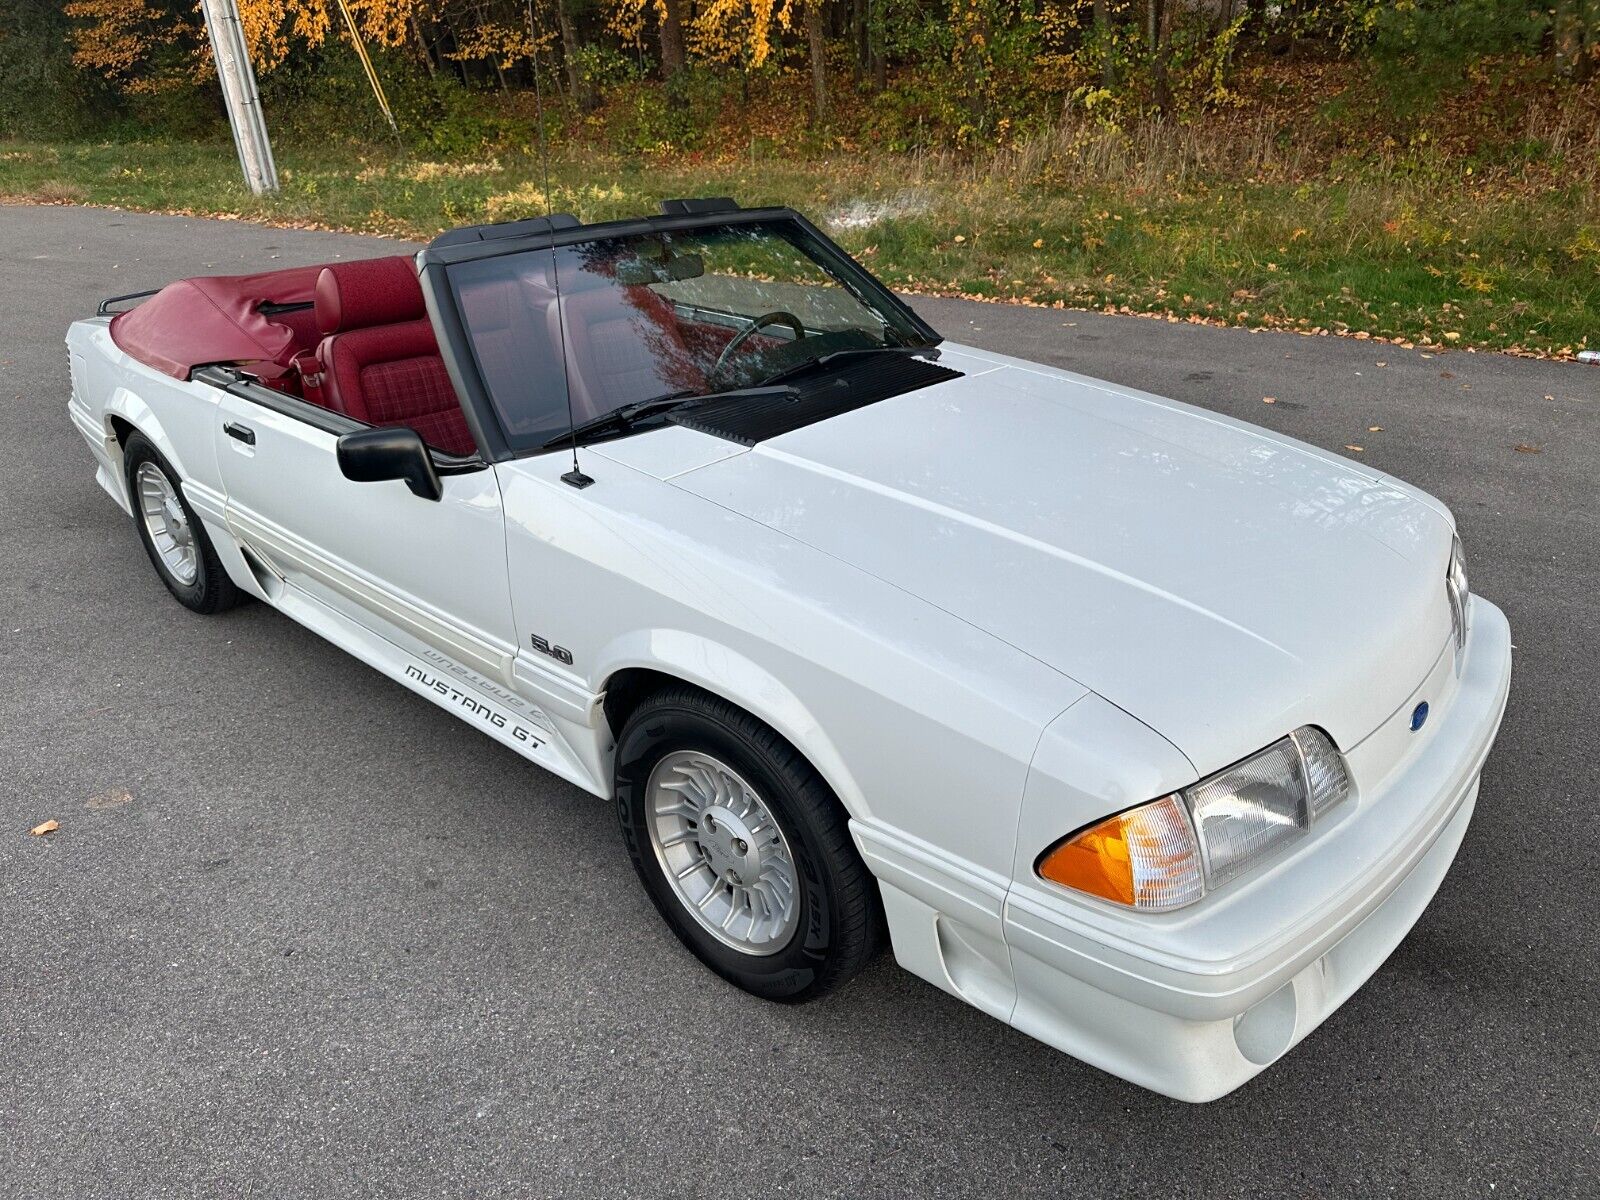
(559, 653)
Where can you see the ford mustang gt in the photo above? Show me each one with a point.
(1146, 731)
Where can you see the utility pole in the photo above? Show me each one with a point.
(232, 56)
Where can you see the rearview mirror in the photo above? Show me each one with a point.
(373, 455)
(672, 269)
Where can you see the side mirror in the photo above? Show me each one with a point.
(373, 455)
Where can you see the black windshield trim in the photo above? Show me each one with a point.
(849, 270)
(456, 347)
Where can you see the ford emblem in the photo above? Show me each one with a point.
(1419, 716)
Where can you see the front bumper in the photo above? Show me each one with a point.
(1194, 1006)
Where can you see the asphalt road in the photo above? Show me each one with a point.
(339, 944)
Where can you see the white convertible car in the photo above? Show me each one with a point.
(1144, 730)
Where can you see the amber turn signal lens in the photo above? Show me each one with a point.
(1145, 858)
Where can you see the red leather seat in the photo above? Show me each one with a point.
(378, 358)
(624, 345)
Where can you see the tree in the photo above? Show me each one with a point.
(41, 88)
(1102, 34)
(972, 56)
(140, 46)
(1574, 37)
(1161, 39)
(147, 45)
(583, 93)
(670, 13)
(877, 36)
(816, 35)
(860, 42)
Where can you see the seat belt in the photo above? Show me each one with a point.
(309, 367)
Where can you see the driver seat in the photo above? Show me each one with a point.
(623, 344)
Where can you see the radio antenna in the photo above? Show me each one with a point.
(575, 477)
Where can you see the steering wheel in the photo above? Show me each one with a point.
(778, 317)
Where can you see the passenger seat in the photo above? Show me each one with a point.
(379, 361)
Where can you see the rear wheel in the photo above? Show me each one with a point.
(743, 848)
(172, 534)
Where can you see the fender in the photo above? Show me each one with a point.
(725, 672)
(131, 407)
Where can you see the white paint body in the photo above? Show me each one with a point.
(989, 612)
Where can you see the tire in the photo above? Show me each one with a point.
(196, 578)
(834, 924)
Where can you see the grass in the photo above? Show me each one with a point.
(1223, 224)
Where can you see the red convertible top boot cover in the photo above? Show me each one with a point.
(216, 319)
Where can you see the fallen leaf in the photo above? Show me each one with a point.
(111, 798)
(1520, 448)
(1357, 449)
(1452, 336)
(960, 237)
(1038, 244)
(1269, 399)
(47, 827)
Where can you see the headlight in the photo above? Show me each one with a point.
(1170, 852)
(1455, 586)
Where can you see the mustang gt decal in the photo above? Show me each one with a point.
(476, 707)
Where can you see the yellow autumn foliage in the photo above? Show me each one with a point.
(118, 38)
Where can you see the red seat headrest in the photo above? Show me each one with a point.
(373, 291)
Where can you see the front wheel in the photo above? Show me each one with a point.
(743, 848)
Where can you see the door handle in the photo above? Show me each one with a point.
(241, 433)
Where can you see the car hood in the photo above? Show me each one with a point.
(1220, 583)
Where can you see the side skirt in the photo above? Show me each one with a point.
(508, 719)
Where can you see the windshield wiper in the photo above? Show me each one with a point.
(833, 356)
(628, 415)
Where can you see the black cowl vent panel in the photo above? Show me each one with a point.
(853, 385)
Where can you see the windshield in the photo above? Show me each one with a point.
(686, 313)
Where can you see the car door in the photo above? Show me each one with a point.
(429, 576)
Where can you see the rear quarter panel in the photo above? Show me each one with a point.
(177, 416)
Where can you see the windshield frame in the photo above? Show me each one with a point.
(455, 344)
